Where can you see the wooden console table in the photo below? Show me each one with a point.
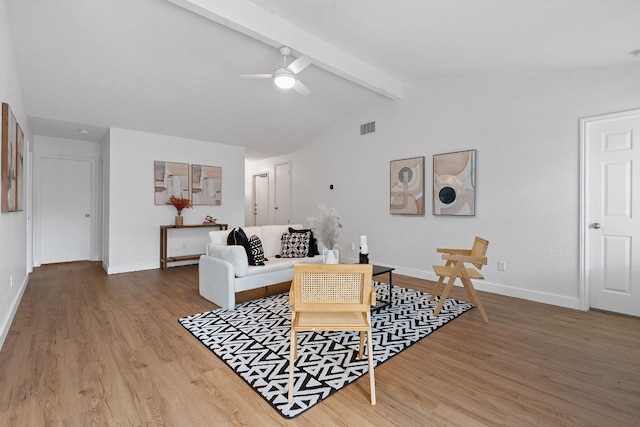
(164, 231)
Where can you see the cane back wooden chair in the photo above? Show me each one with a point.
(456, 267)
(332, 297)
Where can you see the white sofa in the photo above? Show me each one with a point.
(224, 270)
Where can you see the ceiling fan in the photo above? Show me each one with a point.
(285, 76)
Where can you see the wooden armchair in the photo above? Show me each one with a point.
(332, 297)
(455, 268)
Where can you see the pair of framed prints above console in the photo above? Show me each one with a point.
(201, 184)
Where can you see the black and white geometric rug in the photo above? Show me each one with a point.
(253, 340)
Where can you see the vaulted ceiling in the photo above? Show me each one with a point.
(172, 66)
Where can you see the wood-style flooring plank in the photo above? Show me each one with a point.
(89, 349)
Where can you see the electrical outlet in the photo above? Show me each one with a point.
(502, 266)
(353, 246)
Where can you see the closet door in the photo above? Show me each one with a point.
(63, 197)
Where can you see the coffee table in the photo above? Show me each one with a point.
(378, 270)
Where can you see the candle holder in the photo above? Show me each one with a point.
(364, 250)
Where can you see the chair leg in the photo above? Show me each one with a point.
(445, 294)
(293, 353)
(475, 298)
(436, 289)
(361, 350)
(372, 381)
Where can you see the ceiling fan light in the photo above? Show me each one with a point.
(284, 81)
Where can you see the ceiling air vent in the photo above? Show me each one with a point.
(368, 128)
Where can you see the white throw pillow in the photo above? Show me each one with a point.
(235, 254)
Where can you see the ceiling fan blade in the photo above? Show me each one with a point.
(255, 76)
(301, 88)
(299, 64)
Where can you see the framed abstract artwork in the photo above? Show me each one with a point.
(206, 185)
(9, 167)
(19, 168)
(171, 179)
(454, 183)
(407, 186)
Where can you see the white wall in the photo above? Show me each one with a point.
(13, 225)
(134, 219)
(526, 133)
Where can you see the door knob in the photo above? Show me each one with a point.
(595, 225)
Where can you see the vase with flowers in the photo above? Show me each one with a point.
(326, 228)
(179, 203)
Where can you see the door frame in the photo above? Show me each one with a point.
(94, 203)
(585, 199)
(254, 195)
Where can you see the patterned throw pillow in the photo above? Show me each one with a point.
(313, 242)
(295, 245)
(257, 252)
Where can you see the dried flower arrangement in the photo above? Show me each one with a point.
(326, 227)
(179, 203)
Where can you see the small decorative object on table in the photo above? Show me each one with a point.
(209, 220)
(180, 204)
(364, 250)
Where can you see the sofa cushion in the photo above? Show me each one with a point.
(274, 264)
(254, 231)
(218, 237)
(271, 235)
(295, 245)
(236, 255)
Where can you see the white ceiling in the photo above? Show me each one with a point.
(154, 66)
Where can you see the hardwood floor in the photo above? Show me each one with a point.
(88, 349)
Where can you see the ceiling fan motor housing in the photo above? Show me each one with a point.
(284, 78)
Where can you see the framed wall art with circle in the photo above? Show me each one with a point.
(454, 183)
(407, 186)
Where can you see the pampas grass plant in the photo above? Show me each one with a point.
(326, 227)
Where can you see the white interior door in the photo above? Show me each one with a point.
(261, 199)
(64, 209)
(612, 226)
(282, 194)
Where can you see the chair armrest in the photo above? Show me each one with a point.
(477, 260)
(454, 251)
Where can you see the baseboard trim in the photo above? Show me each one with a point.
(500, 289)
(12, 313)
(127, 268)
